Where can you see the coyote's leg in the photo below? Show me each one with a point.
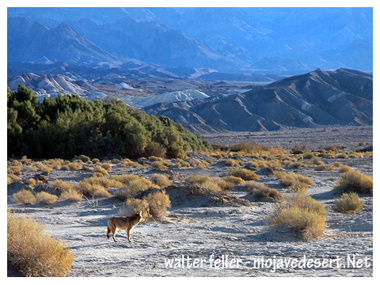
(127, 231)
(108, 232)
(114, 235)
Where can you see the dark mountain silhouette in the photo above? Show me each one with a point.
(318, 98)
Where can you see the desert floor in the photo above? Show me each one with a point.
(204, 236)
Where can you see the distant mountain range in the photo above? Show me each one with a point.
(229, 40)
(318, 98)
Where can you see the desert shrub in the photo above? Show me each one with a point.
(95, 160)
(12, 178)
(70, 166)
(105, 182)
(158, 204)
(92, 190)
(354, 181)
(61, 184)
(72, 196)
(337, 164)
(348, 203)
(287, 180)
(299, 149)
(34, 253)
(159, 165)
(245, 174)
(160, 180)
(262, 191)
(84, 158)
(25, 160)
(138, 205)
(234, 180)
(132, 185)
(232, 162)
(344, 168)
(32, 168)
(99, 169)
(302, 214)
(341, 155)
(308, 155)
(202, 164)
(46, 198)
(298, 187)
(324, 168)
(56, 164)
(209, 183)
(24, 197)
(107, 166)
(317, 161)
(297, 165)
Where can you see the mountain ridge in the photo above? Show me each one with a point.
(303, 101)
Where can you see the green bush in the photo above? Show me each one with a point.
(69, 125)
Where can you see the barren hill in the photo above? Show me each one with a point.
(318, 98)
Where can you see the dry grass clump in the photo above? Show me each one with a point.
(210, 183)
(132, 185)
(344, 168)
(107, 166)
(287, 180)
(84, 158)
(100, 170)
(337, 164)
(297, 165)
(24, 197)
(33, 253)
(72, 196)
(31, 182)
(12, 178)
(202, 164)
(105, 182)
(308, 155)
(70, 166)
(158, 204)
(45, 169)
(355, 181)
(302, 214)
(92, 190)
(68, 193)
(348, 203)
(46, 198)
(234, 180)
(61, 184)
(245, 174)
(324, 168)
(182, 164)
(139, 205)
(160, 180)
(232, 162)
(262, 191)
(159, 165)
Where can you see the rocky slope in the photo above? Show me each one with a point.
(319, 98)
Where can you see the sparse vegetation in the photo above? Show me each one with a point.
(46, 198)
(348, 203)
(262, 191)
(245, 174)
(160, 180)
(24, 197)
(354, 181)
(34, 253)
(158, 204)
(291, 179)
(302, 214)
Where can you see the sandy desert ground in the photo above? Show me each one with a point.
(202, 236)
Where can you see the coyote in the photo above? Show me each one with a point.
(123, 223)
